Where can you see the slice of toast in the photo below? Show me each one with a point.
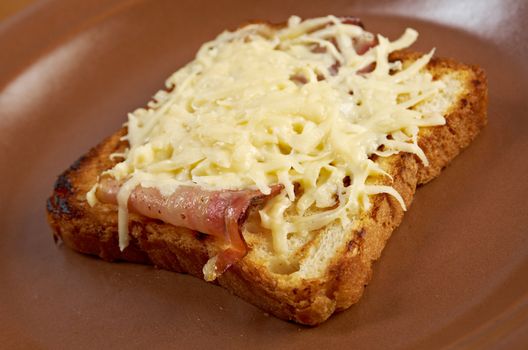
(337, 264)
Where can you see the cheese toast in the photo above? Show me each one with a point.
(330, 266)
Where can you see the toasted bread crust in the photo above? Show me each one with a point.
(93, 230)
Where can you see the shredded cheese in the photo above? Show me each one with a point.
(296, 106)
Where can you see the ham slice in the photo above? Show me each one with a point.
(217, 213)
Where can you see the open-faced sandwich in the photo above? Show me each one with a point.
(277, 163)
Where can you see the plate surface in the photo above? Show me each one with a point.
(454, 273)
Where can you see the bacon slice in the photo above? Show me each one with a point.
(216, 213)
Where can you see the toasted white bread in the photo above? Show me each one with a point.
(332, 267)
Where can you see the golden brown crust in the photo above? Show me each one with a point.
(93, 230)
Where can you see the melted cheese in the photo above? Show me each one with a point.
(260, 106)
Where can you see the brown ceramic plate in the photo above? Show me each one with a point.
(454, 274)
